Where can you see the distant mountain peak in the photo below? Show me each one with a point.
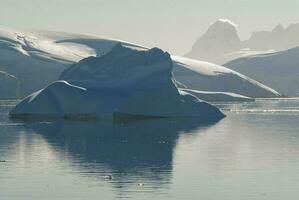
(223, 26)
(227, 21)
(221, 42)
(220, 38)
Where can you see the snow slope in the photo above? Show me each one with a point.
(37, 58)
(218, 96)
(204, 76)
(45, 55)
(8, 86)
(280, 70)
(122, 83)
(33, 67)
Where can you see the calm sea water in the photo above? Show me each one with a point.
(251, 154)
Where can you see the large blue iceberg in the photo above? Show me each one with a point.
(122, 83)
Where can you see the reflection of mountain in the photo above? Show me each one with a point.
(131, 151)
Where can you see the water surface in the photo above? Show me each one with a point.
(251, 154)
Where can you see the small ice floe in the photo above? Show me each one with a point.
(108, 177)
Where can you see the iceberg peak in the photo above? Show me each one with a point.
(120, 67)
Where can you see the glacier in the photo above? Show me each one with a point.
(279, 69)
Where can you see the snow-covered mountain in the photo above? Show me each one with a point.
(221, 38)
(280, 70)
(45, 55)
(279, 38)
(9, 86)
(122, 83)
(31, 65)
(221, 43)
(204, 76)
(37, 58)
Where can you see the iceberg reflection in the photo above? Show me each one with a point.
(129, 151)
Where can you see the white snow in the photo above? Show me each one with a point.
(123, 83)
(228, 21)
(201, 67)
(199, 75)
(218, 96)
(220, 38)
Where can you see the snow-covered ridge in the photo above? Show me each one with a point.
(47, 54)
(206, 76)
(58, 45)
(201, 67)
(279, 69)
(218, 96)
(228, 21)
(123, 83)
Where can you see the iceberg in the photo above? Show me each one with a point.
(124, 83)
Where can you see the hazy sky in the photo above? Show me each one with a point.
(171, 24)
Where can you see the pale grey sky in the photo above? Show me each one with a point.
(171, 24)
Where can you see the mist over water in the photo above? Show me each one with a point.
(251, 154)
